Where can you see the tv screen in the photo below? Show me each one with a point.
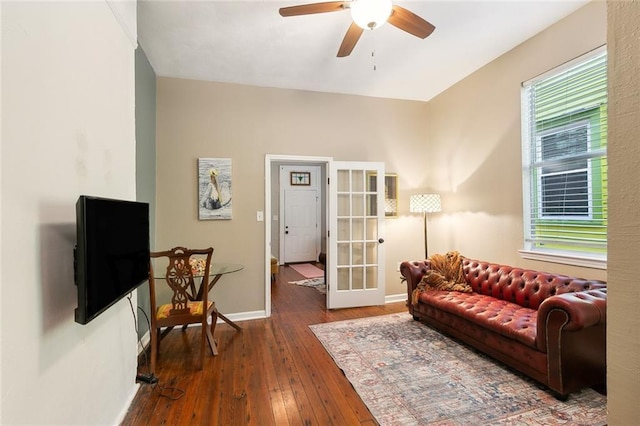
(112, 252)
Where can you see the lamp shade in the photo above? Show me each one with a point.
(370, 14)
(425, 203)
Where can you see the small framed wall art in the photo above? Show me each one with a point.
(214, 188)
(300, 178)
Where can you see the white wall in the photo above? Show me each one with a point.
(67, 129)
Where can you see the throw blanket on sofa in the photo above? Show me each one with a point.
(445, 274)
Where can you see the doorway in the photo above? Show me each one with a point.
(355, 258)
(273, 204)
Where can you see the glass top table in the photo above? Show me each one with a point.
(216, 271)
(224, 268)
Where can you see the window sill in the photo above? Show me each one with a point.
(565, 258)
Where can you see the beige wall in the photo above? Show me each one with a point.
(464, 144)
(475, 145)
(623, 335)
(201, 119)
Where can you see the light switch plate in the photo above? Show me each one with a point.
(260, 216)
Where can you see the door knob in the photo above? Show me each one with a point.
(381, 240)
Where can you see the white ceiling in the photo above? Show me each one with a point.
(248, 42)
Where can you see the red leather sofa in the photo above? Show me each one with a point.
(550, 327)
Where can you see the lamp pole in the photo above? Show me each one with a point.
(426, 242)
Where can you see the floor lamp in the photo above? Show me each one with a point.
(425, 203)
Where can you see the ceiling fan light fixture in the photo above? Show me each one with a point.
(370, 14)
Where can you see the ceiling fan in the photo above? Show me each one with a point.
(366, 15)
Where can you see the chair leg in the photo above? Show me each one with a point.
(202, 346)
(210, 332)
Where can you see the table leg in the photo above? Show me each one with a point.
(209, 287)
(228, 321)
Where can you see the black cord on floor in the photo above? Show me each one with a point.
(164, 391)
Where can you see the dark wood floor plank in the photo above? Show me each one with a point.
(280, 362)
(274, 372)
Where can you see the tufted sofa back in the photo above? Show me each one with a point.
(525, 287)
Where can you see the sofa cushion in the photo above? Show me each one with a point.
(500, 316)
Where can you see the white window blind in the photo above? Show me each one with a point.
(564, 126)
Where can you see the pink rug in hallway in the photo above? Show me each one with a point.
(308, 270)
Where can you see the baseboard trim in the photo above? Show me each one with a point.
(393, 298)
(245, 316)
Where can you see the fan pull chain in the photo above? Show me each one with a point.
(373, 55)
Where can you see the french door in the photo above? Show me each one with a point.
(355, 258)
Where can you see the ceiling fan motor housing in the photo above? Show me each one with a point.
(370, 14)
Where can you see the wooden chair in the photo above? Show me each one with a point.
(183, 308)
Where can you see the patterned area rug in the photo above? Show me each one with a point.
(317, 283)
(410, 374)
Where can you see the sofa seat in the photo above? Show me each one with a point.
(502, 317)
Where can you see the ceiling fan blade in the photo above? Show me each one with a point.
(410, 22)
(350, 39)
(309, 9)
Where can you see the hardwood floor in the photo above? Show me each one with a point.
(274, 372)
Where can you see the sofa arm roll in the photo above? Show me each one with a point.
(581, 309)
(413, 271)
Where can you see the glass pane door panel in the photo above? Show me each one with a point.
(357, 231)
(372, 181)
(357, 205)
(357, 181)
(343, 279)
(372, 205)
(371, 254)
(344, 254)
(344, 229)
(372, 277)
(372, 229)
(357, 278)
(343, 181)
(357, 254)
(343, 205)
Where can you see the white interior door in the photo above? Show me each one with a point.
(356, 228)
(300, 225)
(300, 213)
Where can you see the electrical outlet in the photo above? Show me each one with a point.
(398, 267)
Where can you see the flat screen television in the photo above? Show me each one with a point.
(111, 257)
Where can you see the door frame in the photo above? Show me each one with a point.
(268, 160)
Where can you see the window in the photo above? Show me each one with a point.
(565, 162)
(564, 185)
